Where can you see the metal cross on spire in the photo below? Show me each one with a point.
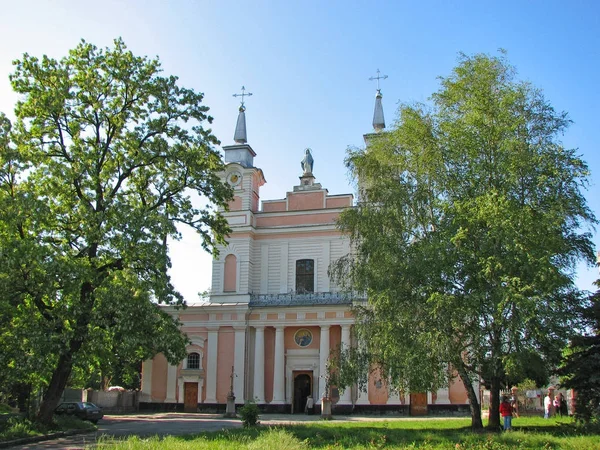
(243, 94)
(378, 77)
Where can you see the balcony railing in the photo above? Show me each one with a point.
(304, 299)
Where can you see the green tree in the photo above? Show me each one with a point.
(580, 369)
(466, 234)
(95, 176)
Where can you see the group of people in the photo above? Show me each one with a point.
(558, 406)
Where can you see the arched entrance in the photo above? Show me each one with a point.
(302, 389)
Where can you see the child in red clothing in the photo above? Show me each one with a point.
(506, 412)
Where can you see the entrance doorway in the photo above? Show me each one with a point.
(418, 404)
(302, 389)
(190, 397)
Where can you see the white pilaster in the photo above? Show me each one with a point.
(264, 268)
(442, 396)
(477, 387)
(259, 365)
(239, 363)
(171, 384)
(147, 380)
(362, 398)
(211, 366)
(284, 267)
(279, 369)
(393, 396)
(323, 357)
(429, 398)
(326, 252)
(346, 396)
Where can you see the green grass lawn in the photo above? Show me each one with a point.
(17, 427)
(529, 433)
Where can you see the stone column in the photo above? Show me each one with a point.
(346, 397)
(147, 380)
(211, 365)
(239, 363)
(259, 365)
(323, 357)
(171, 384)
(279, 369)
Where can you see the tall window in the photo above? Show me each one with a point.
(305, 275)
(193, 361)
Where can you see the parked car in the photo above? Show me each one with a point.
(83, 410)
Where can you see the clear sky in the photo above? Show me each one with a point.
(308, 63)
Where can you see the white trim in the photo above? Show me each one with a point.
(301, 360)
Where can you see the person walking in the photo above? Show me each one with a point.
(547, 406)
(310, 406)
(506, 411)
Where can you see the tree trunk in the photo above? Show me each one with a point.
(64, 366)
(475, 407)
(57, 385)
(494, 415)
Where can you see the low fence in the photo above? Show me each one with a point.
(109, 401)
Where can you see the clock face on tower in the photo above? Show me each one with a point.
(234, 178)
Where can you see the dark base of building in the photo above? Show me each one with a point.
(340, 410)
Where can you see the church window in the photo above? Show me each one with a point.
(305, 276)
(193, 361)
(230, 280)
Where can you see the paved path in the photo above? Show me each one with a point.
(179, 424)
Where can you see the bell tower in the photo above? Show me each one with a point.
(231, 274)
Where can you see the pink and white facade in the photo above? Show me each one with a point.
(273, 315)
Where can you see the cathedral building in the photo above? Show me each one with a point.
(274, 315)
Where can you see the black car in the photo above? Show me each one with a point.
(83, 410)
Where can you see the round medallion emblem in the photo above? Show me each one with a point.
(303, 337)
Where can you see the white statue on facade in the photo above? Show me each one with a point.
(307, 163)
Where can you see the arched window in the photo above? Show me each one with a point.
(193, 361)
(230, 280)
(305, 275)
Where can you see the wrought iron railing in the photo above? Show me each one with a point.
(305, 299)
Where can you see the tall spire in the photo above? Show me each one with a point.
(378, 120)
(240, 128)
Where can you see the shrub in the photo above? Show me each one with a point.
(249, 414)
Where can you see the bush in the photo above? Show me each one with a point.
(249, 414)
(18, 427)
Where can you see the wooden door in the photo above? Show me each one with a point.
(418, 404)
(190, 397)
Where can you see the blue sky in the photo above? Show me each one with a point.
(308, 63)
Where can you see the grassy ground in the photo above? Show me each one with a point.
(529, 433)
(17, 427)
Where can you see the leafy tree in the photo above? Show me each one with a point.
(581, 366)
(95, 176)
(467, 229)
